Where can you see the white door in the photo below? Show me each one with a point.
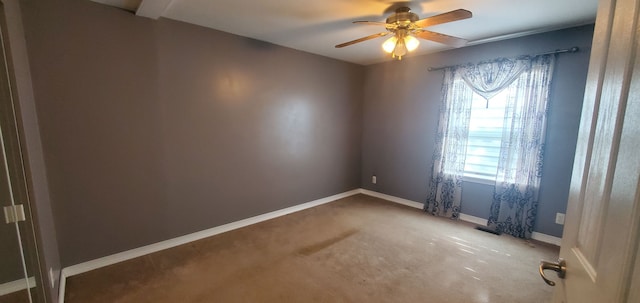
(600, 241)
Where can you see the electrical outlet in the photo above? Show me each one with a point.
(374, 180)
(52, 277)
(560, 218)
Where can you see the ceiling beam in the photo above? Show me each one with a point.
(153, 8)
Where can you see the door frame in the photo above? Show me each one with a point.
(17, 169)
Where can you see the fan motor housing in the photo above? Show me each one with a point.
(402, 17)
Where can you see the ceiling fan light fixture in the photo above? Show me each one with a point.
(405, 27)
(390, 44)
(411, 42)
(400, 49)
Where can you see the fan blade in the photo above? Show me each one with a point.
(441, 38)
(456, 15)
(362, 39)
(370, 23)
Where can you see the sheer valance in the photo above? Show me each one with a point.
(488, 78)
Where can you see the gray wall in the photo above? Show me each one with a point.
(156, 129)
(400, 119)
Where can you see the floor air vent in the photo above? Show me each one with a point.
(489, 230)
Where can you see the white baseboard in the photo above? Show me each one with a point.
(402, 201)
(464, 217)
(62, 283)
(419, 205)
(148, 249)
(17, 285)
(546, 238)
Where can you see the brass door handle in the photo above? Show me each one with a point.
(560, 268)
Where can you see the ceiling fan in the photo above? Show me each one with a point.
(405, 26)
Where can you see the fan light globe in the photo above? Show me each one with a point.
(411, 42)
(390, 44)
(400, 49)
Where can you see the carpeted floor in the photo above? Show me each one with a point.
(15, 297)
(357, 249)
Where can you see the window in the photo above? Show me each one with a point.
(500, 142)
(485, 136)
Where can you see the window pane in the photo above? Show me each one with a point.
(485, 136)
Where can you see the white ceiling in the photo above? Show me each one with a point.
(316, 26)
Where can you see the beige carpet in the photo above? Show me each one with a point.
(358, 249)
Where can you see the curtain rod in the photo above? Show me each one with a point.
(558, 51)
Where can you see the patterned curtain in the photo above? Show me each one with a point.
(515, 199)
(445, 189)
